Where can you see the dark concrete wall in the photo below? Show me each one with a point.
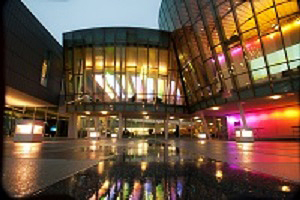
(27, 42)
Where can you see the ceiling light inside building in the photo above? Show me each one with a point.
(275, 97)
(196, 117)
(144, 113)
(215, 108)
(104, 112)
(172, 117)
(87, 112)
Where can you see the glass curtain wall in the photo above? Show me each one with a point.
(121, 65)
(233, 45)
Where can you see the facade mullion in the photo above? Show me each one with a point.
(283, 43)
(187, 44)
(225, 49)
(200, 48)
(262, 46)
(242, 45)
(210, 41)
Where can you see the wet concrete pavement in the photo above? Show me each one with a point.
(29, 168)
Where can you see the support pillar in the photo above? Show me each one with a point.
(244, 133)
(242, 115)
(120, 126)
(179, 126)
(57, 125)
(72, 127)
(215, 128)
(105, 125)
(96, 119)
(205, 127)
(167, 126)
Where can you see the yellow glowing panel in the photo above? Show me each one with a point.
(144, 166)
(202, 136)
(219, 174)
(38, 129)
(100, 167)
(285, 188)
(247, 133)
(237, 133)
(24, 129)
(163, 70)
(88, 63)
(94, 134)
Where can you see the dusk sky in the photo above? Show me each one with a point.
(60, 16)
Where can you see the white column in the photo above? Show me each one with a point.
(72, 127)
(167, 126)
(242, 114)
(205, 127)
(179, 126)
(120, 125)
(96, 119)
(105, 125)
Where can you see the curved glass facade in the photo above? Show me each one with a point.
(234, 49)
(109, 65)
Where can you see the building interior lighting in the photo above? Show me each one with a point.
(219, 174)
(285, 188)
(100, 167)
(275, 97)
(104, 112)
(215, 108)
(113, 135)
(172, 117)
(202, 136)
(145, 113)
(24, 128)
(94, 134)
(144, 166)
(38, 129)
(199, 120)
(87, 112)
(196, 117)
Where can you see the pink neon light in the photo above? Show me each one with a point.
(248, 45)
(236, 50)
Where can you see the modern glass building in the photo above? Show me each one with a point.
(120, 66)
(208, 57)
(131, 72)
(231, 50)
(243, 51)
(212, 65)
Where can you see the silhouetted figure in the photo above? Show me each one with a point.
(133, 98)
(177, 131)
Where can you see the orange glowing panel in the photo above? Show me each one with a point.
(291, 113)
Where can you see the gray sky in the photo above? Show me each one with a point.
(60, 16)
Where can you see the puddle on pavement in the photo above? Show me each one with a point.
(158, 171)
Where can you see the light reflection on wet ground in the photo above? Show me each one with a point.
(164, 171)
(150, 169)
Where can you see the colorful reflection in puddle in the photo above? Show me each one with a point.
(192, 178)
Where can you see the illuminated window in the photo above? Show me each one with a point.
(45, 69)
